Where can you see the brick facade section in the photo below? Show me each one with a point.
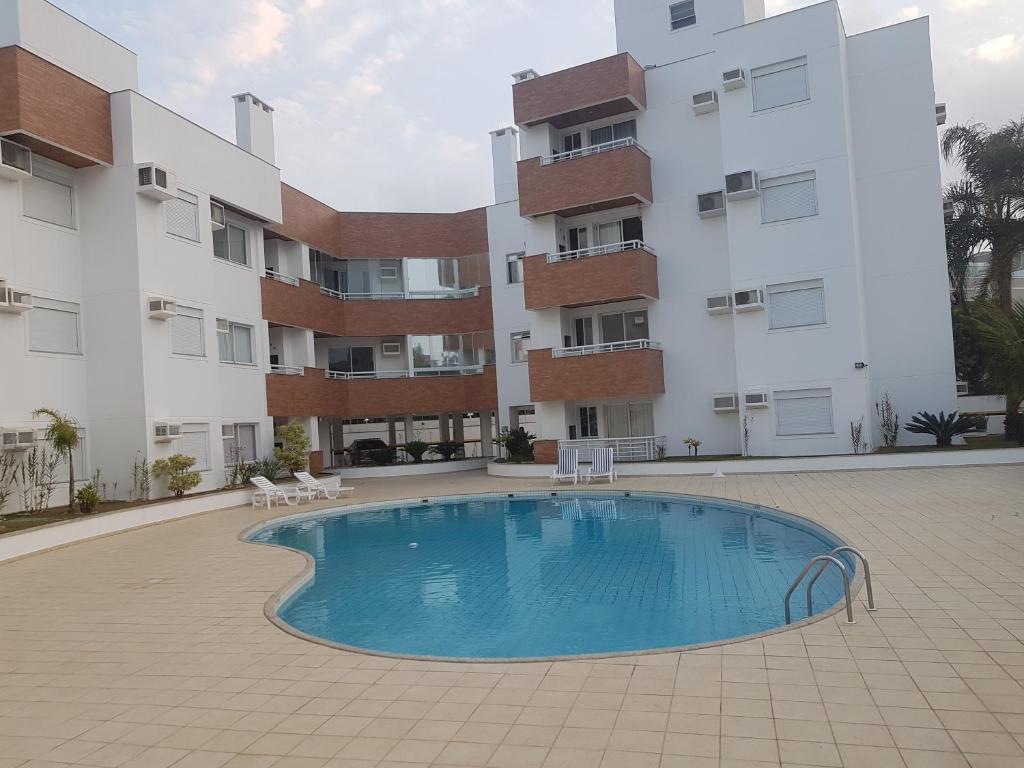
(597, 182)
(308, 220)
(55, 113)
(305, 307)
(315, 395)
(592, 91)
(617, 276)
(630, 373)
(545, 452)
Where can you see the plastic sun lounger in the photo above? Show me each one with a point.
(568, 466)
(267, 493)
(603, 465)
(321, 489)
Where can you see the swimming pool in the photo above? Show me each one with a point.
(538, 575)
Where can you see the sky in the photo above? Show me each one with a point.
(387, 104)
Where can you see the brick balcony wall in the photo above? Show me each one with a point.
(617, 276)
(630, 373)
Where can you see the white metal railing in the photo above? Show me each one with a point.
(456, 370)
(455, 293)
(273, 274)
(287, 370)
(346, 375)
(600, 349)
(600, 250)
(460, 370)
(593, 149)
(624, 448)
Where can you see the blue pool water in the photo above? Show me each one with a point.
(493, 577)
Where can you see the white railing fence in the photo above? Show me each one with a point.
(593, 149)
(273, 274)
(463, 370)
(600, 250)
(287, 370)
(599, 349)
(455, 293)
(624, 448)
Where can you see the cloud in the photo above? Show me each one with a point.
(260, 37)
(967, 6)
(998, 49)
(906, 14)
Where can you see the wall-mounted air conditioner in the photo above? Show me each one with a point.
(962, 388)
(162, 309)
(391, 348)
(720, 305)
(13, 301)
(17, 439)
(218, 217)
(755, 399)
(389, 273)
(523, 76)
(742, 184)
(948, 211)
(156, 182)
(227, 431)
(711, 204)
(727, 402)
(705, 103)
(15, 161)
(940, 114)
(223, 326)
(733, 79)
(165, 431)
(748, 301)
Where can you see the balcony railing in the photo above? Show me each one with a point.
(349, 375)
(623, 448)
(461, 370)
(600, 349)
(273, 274)
(600, 250)
(594, 149)
(455, 293)
(286, 370)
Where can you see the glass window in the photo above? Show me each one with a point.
(232, 244)
(182, 215)
(48, 198)
(514, 266)
(234, 342)
(588, 421)
(583, 331)
(187, 332)
(610, 233)
(682, 14)
(601, 135)
(239, 443)
(624, 326)
(804, 412)
(792, 305)
(432, 275)
(579, 238)
(779, 84)
(629, 420)
(519, 351)
(572, 142)
(785, 198)
(53, 327)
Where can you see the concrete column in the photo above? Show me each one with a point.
(460, 428)
(486, 434)
(392, 438)
(446, 434)
(410, 429)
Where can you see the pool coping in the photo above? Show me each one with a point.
(281, 596)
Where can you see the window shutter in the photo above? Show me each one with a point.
(183, 216)
(780, 84)
(246, 436)
(789, 197)
(804, 412)
(796, 304)
(187, 332)
(48, 200)
(195, 442)
(53, 327)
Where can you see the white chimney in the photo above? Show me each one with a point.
(504, 156)
(254, 126)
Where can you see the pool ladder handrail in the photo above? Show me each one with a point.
(826, 560)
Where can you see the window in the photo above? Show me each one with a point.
(195, 442)
(610, 233)
(234, 342)
(182, 215)
(792, 305)
(232, 244)
(779, 84)
(572, 142)
(239, 443)
(588, 421)
(579, 238)
(53, 327)
(789, 197)
(350, 359)
(519, 351)
(629, 420)
(804, 412)
(682, 14)
(48, 198)
(624, 326)
(514, 267)
(187, 332)
(583, 331)
(624, 130)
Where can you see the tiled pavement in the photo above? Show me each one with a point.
(150, 649)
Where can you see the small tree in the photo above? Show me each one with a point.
(888, 421)
(8, 478)
(62, 434)
(178, 470)
(416, 449)
(518, 444)
(692, 446)
(294, 450)
(446, 449)
(944, 428)
(36, 475)
(1002, 337)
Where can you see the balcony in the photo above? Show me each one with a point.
(316, 392)
(610, 175)
(592, 91)
(597, 371)
(605, 273)
(304, 304)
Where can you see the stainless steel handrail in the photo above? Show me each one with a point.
(867, 576)
(825, 560)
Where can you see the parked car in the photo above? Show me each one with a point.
(370, 450)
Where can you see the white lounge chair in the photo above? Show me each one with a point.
(267, 493)
(602, 465)
(321, 489)
(568, 466)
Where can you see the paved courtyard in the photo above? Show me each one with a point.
(149, 649)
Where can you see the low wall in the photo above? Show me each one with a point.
(410, 470)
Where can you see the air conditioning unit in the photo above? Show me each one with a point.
(755, 399)
(162, 309)
(389, 273)
(165, 431)
(940, 114)
(17, 439)
(733, 79)
(218, 217)
(728, 402)
(156, 182)
(223, 326)
(391, 348)
(13, 301)
(741, 185)
(526, 74)
(720, 305)
(227, 431)
(962, 388)
(748, 301)
(705, 103)
(948, 211)
(711, 204)
(15, 161)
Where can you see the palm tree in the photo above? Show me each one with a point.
(1002, 335)
(62, 434)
